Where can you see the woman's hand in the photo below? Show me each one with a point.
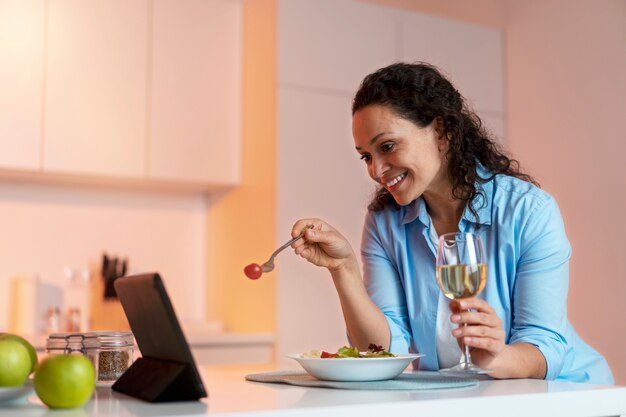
(483, 334)
(322, 245)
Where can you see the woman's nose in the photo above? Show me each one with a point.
(379, 168)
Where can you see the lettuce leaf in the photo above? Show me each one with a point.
(348, 352)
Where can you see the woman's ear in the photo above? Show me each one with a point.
(443, 138)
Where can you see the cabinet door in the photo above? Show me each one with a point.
(333, 44)
(471, 55)
(325, 48)
(196, 88)
(319, 175)
(95, 91)
(21, 80)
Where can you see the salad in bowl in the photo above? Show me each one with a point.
(350, 364)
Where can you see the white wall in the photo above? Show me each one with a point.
(325, 48)
(567, 101)
(47, 228)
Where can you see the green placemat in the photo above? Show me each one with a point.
(406, 381)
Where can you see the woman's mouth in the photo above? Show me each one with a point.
(395, 182)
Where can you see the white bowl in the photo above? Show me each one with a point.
(355, 369)
(15, 394)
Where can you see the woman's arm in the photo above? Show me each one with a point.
(326, 247)
(365, 322)
(520, 360)
(536, 342)
(485, 337)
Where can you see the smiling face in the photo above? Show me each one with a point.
(402, 157)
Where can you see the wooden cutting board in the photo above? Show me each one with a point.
(106, 314)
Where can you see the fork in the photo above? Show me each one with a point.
(269, 265)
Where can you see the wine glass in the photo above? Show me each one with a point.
(461, 273)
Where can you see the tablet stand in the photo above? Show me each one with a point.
(158, 380)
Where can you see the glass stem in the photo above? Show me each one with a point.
(466, 359)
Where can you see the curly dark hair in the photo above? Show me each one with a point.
(419, 93)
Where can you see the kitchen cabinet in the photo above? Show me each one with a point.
(330, 45)
(144, 92)
(470, 55)
(95, 92)
(325, 48)
(231, 348)
(196, 95)
(21, 81)
(345, 187)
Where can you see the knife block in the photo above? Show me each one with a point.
(106, 314)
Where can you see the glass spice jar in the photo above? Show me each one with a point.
(116, 354)
(87, 344)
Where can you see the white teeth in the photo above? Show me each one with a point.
(395, 180)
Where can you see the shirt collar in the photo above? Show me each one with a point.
(481, 204)
(417, 208)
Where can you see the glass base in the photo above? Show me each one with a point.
(465, 368)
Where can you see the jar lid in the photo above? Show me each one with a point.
(113, 338)
(72, 341)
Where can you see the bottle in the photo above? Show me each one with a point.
(24, 318)
(53, 319)
(77, 295)
(73, 320)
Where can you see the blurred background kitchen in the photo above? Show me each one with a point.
(185, 137)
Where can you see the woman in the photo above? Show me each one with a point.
(439, 172)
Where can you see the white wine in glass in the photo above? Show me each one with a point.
(461, 281)
(461, 273)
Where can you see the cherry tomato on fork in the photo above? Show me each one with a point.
(253, 271)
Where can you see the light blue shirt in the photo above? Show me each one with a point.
(527, 276)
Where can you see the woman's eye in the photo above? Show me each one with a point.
(386, 147)
(365, 157)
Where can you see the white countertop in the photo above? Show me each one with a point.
(230, 395)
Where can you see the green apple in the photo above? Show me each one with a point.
(14, 363)
(26, 344)
(65, 381)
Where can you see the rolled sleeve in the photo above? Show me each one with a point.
(541, 285)
(400, 338)
(385, 287)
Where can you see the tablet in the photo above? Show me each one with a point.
(166, 371)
